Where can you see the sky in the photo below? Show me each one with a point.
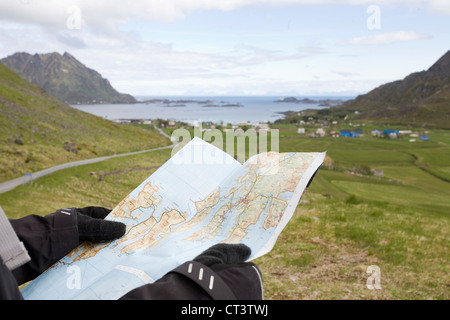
(234, 47)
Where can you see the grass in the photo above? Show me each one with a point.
(38, 131)
(81, 186)
(325, 250)
(344, 223)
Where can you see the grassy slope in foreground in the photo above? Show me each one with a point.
(39, 131)
(338, 230)
(347, 222)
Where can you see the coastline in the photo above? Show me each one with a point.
(246, 109)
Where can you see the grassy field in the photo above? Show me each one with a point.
(348, 219)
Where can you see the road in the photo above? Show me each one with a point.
(11, 184)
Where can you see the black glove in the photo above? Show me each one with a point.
(92, 226)
(224, 253)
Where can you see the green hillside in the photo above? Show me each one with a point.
(39, 131)
(421, 99)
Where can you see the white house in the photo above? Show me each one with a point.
(320, 132)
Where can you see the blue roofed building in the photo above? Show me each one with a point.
(349, 134)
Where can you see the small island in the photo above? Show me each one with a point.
(322, 103)
(183, 102)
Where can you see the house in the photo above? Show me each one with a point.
(349, 134)
(345, 133)
(334, 134)
(261, 126)
(393, 134)
(320, 132)
(301, 130)
(376, 133)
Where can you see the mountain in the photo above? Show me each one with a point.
(421, 99)
(39, 131)
(65, 78)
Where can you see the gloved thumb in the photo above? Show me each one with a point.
(224, 253)
(98, 230)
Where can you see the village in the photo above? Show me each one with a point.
(356, 133)
(206, 125)
(311, 128)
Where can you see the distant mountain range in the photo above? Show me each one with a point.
(65, 78)
(420, 99)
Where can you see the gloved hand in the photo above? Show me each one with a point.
(224, 253)
(92, 226)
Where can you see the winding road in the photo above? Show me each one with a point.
(11, 184)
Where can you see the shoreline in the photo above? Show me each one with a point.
(209, 109)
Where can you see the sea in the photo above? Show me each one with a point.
(215, 109)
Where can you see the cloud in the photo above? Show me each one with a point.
(70, 40)
(252, 55)
(107, 15)
(387, 38)
(345, 74)
(108, 41)
(439, 6)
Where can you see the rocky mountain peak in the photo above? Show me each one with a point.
(65, 78)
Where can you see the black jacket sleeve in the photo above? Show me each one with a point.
(195, 281)
(47, 240)
(8, 284)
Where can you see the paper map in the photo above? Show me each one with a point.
(199, 197)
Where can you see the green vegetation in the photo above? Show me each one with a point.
(348, 219)
(104, 183)
(38, 131)
(421, 99)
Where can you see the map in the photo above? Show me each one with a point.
(199, 197)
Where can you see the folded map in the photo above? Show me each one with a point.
(199, 197)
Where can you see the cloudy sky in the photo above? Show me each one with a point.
(235, 47)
